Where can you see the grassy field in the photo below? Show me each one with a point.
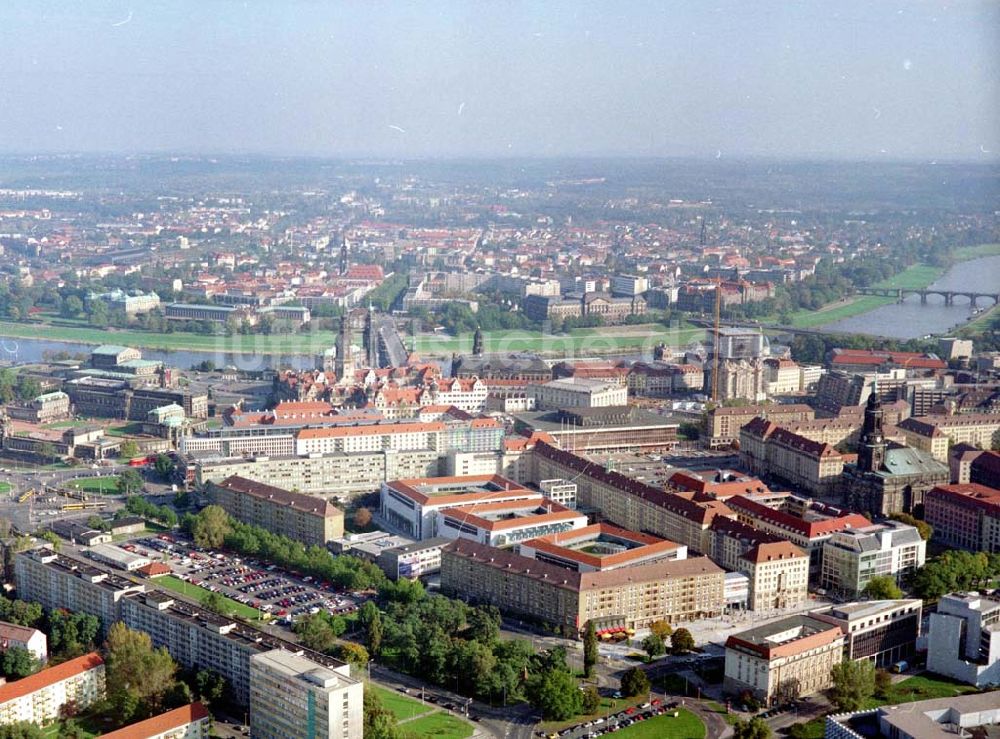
(399, 705)
(921, 687)
(124, 429)
(312, 343)
(965, 253)
(729, 718)
(197, 591)
(838, 311)
(5, 488)
(684, 726)
(439, 725)
(913, 278)
(106, 484)
(608, 705)
(579, 342)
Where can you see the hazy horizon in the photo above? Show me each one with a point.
(896, 82)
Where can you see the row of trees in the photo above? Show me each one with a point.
(955, 570)
(139, 506)
(213, 528)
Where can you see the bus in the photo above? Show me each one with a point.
(23, 498)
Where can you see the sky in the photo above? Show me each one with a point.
(829, 80)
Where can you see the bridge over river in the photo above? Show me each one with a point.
(948, 295)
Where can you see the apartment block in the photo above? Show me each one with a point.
(633, 597)
(964, 516)
(61, 581)
(292, 697)
(301, 517)
(722, 424)
(767, 449)
(38, 698)
(883, 631)
(963, 639)
(187, 722)
(783, 660)
(934, 434)
(852, 557)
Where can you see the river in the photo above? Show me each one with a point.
(911, 319)
(34, 350)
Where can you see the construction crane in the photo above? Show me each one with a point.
(715, 340)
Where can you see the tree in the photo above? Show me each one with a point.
(215, 602)
(97, 523)
(590, 651)
(21, 730)
(211, 526)
(883, 683)
(134, 668)
(555, 694)
(634, 682)
(211, 686)
(52, 538)
(354, 655)
(654, 646)
(164, 466)
(591, 700)
(362, 518)
(755, 728)
(18, 662)
(681, 641)
(662, 629)
(129, 449)
(883, 587)
(379, 722)
(129, 482)
(371, 621)
(853, 684)
(319, 631)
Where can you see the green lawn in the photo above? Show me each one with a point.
(582, 342)
(399, 705)
(197, 591)
(608, 706)
(838, 311)
(916, 277)
(311, 343)
(729, 718)
(439, 725)
(5, 488)
(106, 484)
(965, 253)
(922, 687)
(124, 429)
(685, 726)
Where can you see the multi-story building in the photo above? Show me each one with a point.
(61, 581)
(883, 631)
(783, 660)
(192, 721)
(212, 313)
(658, 379)
(110, 356)
(412, 560)
(935, 434)
(781, 376)
(298, 516)
(777, 571)
(852, 557)
(46, 408)
(963, 639)
(504, 523)
(292, 697)
(617, 599)
(38, 698)
(964, 516)
(985, 470)
(632, 504)
(25, 637)
(615, 428)
(938, 718)
(723, 424)
(768, 449)
(629, 285)
(412, 506)
(578, 392)
(740, 378)
(600, 547)
(804, 522)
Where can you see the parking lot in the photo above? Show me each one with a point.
(615, 721)
(285, 596)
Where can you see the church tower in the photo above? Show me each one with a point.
(871, 450)
(477, 342)
(341, 361)
(343, 255)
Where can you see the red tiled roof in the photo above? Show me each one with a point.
(160, 724)
(50, 676)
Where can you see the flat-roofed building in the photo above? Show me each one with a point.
(187, 722)
(117, 557)
(964, 516)
(292, 697)
(578, 392)
(783, 660)
(25, 637)
(39, 698)
(411, 505)
(504, 523)
(617, 599)
(852, 557)
(963, 639)
(607, 429)
(883, 631)
(600, 547)
(61, 581)
(938, 718)
(413, 560)
(302, 517)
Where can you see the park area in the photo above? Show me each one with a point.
(683, 726)
(105, 484)
(421, 720)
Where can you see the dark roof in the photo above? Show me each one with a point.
(280, 496)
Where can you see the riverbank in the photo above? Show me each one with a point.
(280, 344)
